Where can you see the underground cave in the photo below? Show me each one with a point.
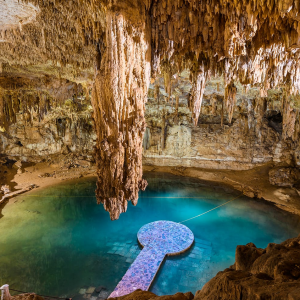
(149, 149)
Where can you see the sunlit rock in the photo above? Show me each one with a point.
(15, 13)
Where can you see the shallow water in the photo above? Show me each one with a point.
(57, 240)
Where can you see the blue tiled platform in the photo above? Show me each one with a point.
(159, 239)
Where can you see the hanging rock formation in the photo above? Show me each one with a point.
(249, 43)
(197, 94)
(15, 14)
(119, 97)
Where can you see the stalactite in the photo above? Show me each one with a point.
(156, 93)
(168, 84)
(255, 43)
(163, 130)
(30, 99)
(230, 99)
(118, 98)
(232, 38)
(197, 94)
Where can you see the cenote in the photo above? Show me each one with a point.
(57, 240)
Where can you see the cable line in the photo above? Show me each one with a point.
(210, 210)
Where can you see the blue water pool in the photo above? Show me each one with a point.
(58, 241)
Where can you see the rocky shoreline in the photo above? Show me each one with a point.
(254, 183)
(39, 175)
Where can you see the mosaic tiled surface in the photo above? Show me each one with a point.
(159, 239)
(122, 253)
(187, 272)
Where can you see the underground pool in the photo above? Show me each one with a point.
(57, 241)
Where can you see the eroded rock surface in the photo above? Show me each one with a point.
(112, 45)
(284, 176)
(119, 97)
(15, 13)
(272, 273)
(248, 136)
(44, 117)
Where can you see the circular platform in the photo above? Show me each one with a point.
(166, 236)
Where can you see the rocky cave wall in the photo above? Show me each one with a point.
(224, 94)
(116, 46)
(45, 118)
(63, 126)
(252, 135)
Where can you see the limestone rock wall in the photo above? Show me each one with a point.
(37, 122)
(250, 135)
(254, 43)
(56, 134)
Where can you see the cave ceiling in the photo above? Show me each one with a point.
(115, 49)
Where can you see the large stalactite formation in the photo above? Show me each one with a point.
(251, 42)
(119, 97)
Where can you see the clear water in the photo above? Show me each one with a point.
(57, 240)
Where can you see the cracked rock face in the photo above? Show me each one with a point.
(114, 46)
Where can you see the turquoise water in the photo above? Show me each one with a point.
(57, 240)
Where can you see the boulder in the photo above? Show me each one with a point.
(246, 255)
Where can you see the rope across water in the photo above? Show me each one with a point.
(210, 210)
(54, 297)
